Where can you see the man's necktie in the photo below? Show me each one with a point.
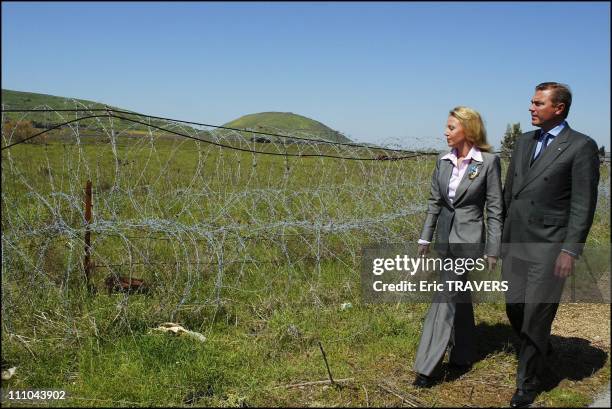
(545, 142)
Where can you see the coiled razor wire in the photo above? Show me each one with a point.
(187, 205)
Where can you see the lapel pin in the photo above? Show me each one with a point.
(473, 171)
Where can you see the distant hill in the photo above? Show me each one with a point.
(269, 122)
(31, 100)
(25, 100)
(287, 123)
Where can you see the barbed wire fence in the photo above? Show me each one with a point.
(187, 206)
(192, 207)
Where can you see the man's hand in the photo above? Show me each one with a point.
(423, 249)
(491, 262)
(564, 266)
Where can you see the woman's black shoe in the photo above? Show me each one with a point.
(422, 381)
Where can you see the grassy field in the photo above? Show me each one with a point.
(257, 253)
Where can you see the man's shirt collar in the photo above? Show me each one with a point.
(556, 130)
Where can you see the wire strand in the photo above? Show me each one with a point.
(356, 145)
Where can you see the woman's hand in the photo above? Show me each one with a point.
(491, 262)
(423, 249)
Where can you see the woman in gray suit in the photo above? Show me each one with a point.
(465, 182)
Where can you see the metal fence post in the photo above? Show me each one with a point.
(87, 257)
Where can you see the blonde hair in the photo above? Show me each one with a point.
(473, 126)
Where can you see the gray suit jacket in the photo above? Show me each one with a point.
(460, 226)
(552, 201)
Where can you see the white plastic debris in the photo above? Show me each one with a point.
(8, 373)
(293, 331)
(177, 329)
(345, 306)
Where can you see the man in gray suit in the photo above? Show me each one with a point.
(550, 197)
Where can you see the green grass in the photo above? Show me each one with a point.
(264, 325)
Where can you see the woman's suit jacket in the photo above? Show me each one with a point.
(460, 224)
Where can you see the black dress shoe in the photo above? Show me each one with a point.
(459, 367)
(522, 398)
(423, 381)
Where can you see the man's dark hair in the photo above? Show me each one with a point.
(561, 94)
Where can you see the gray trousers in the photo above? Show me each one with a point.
(531, 306)
(449, 323)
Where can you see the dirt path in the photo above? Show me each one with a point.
(587, 321)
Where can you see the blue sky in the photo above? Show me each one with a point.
(374, 71)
